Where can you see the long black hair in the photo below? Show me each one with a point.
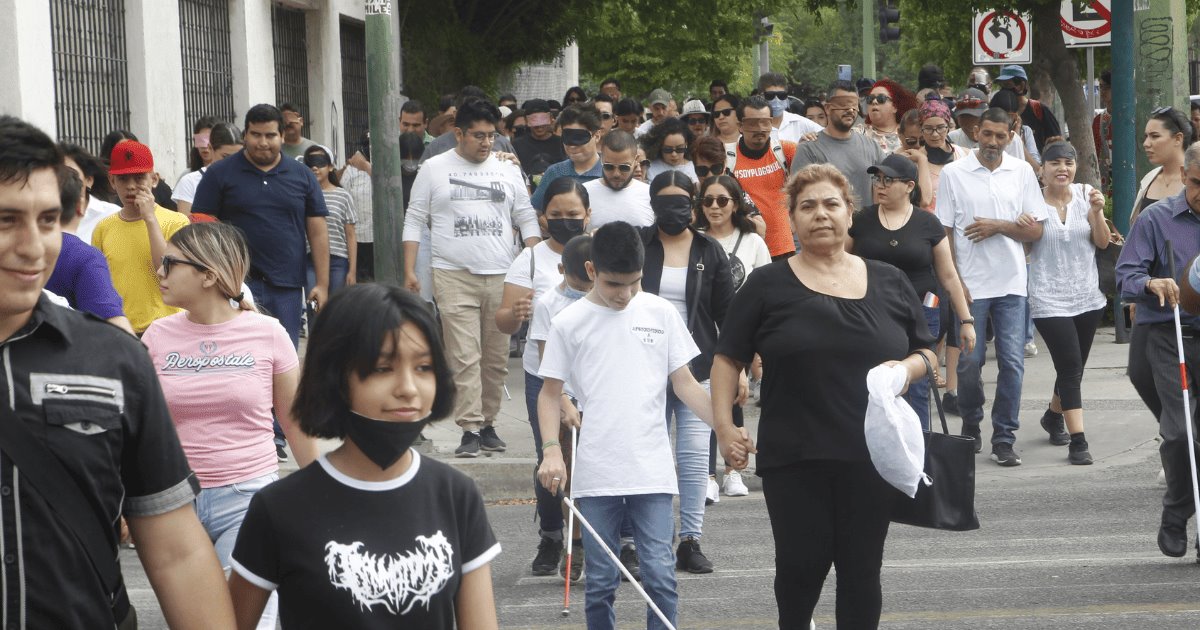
(741, 216)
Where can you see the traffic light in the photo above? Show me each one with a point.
(889, 22)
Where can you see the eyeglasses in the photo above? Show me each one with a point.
(939, 129)
(669, 150)
(696, 120)
(705, 171)
(721, 113)
(645, 164)
(720, 202)
(170, 261)
(483, 136)
(884, 180)
(878, 98)
(775, 94)
(624, 168)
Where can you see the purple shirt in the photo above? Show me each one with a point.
(81, 276)
(1144, 256)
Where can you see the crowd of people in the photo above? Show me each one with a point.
(657, 267)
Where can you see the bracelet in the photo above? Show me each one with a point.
(548, 443)
(969, 320)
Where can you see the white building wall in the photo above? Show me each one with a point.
(250, 44)
(156, 83)
(27, 72)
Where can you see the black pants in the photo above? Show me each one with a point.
(1069, 340)
(1163, 356)
(828, 513)
(365, 262)
(1140, 374)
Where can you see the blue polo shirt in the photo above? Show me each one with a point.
(81, 276)
(566, 168)
(270, 207)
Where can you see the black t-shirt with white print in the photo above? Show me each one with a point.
(345, 553)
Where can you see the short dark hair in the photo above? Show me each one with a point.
(617, 248)
(842, 85)
(287, 107)
(619, 140)
(535, 106)
(111, 139)
(1175, 122)
(565, 186)
(411, 145)
(718, 83)
(1106, 77)
(88, 163)
(753, 102)
(26, 149)
(445, 101)
(469, 92)
(507, 96)
(263, 113)
(733, 99)
(670, 178)
(611, 81)
(710, 149)
(585, 115)
(224, 134)
(628, 107)
(771, 78)
(412, 106)
(996, 115)
(476, 110)
(70, 191)
(741, 215)
(1006, 99)
(577, 251)
(347, 338)
(601, 97)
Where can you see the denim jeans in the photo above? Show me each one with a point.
(653, 527)
(917, 395)
(221, 511)
(339, 267)
(691, 463)
(283, 303)
(549, 508)
(1007, 315)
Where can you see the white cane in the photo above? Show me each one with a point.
(566, 611)
(617, 561)
(1187, 404)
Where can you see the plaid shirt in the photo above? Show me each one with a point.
(358, 184)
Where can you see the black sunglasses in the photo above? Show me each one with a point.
(721, 113)
(645, 164)
(705, 171)
(719, 202)
(774, 94)
(878, 98)
(624, 168)
(170, 261)
(670, 150)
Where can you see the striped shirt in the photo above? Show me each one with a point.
(341, 214)
(358, 184)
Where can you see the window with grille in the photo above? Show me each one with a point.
(91, 83)
(291, 62)
(354, 83)
(207, 62)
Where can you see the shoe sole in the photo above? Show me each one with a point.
(737, 494)
(1016, 461)
(543, 573)
(694, 571)
(467, 455)
(494, 449)
(1080, 461)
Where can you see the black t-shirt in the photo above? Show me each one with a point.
(537, 155)
(345, 553)
(909, 248)
(816, 351)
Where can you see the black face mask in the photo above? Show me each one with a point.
(381, 441)
(938, 156)
(672, 213)
(563, 230)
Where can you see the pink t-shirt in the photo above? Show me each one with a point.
(218, 382)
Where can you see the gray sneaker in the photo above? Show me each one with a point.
(469, 446)
(489, 441)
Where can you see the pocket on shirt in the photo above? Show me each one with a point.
(82, 418)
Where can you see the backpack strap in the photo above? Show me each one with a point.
(777, 149)
(730, 159)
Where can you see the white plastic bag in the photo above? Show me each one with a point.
(893, 430)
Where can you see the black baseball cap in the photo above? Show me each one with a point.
(896, 166)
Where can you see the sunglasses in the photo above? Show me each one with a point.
(170, 261)
(878, 98)
(720, 202)
(776, 94)
(624, 168)
(705, 171)
(912, 142)
(645, 164)
(670, 150)
(1162, 110)
(696, 120)
(721, 113)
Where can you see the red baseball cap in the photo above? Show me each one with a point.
(130, 156)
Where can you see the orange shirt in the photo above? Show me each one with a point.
(763, 179)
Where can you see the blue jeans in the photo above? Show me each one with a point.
(221, 511)
(548, 507)
(653, 527)
(338, 268)
(691, 463)
(283, 303)
(917, 395)
(1007, 315)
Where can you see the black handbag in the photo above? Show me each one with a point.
(949, 502)
(1106, 260)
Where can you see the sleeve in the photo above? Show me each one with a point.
(94, 291)
(911, 311)
(98, 236)
(256, 552)
(762, 254)
(177, 222)
(789, 151)
(539, 195)
(935, 233)
(351, 211)
(185, 188)
(737, 338)
(1137, 259)
(681, 348)
(1050, 123)
(479, 544)
(416, 217)
(947, 201)
(208, 194)
(1193, 276)
(518, 271)
(1033, 203)
(524, 217)
(802, 157)
(1031, 143)
(314, 199)
(556, 358)
(283, 353)
(539, 326)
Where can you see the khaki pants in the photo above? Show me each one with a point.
(476, 349)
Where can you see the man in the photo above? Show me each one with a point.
(82, 401)
(90, 167)
(612, 87)
(785, 125)
(760, 164)
(716, 90)
(539, 148)
(507, 100)
(581, 138)
(618, 195)
(696, 117)
(661, 104)
(991, 205)
(472, 201)
(277, 204)
(605, 107)
(1037, 117)
(852, 153)
(412, 119)
(629, 115)
(446, 141)
(1023, 142)
(968, 109)
(1144, 277)
(294, 143)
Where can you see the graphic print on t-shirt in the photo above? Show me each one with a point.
(468, 221)
(648, 334)
(208, 360)
(397, 581)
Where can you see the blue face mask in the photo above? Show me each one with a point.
(778, 106)
(572, 293)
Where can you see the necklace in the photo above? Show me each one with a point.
(886, 224)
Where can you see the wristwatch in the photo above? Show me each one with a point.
(969, 320)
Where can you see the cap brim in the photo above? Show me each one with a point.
(133, 170)
(880, 168)
(974, 111)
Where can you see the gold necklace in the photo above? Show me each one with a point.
(886, 224)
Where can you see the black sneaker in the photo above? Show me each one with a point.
(972, 431)
(1056, 426)
(688, 557)
(549, 551)
(280, 454)
(1003, 454)
(469, 446)
(491, 441)
(950, 404)
(629, 558)
(1078, 454)
(576, 562)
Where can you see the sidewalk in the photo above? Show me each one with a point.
(1119, 428)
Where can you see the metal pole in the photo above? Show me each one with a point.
(1124, 134)
(764, 53)
(868, 36)
(1091, 74)
(383, 104)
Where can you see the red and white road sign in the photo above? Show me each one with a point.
(1087, 26)
(1002, 37)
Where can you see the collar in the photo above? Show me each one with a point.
(1006, 162)
(746, 151)
(47, 319)
(1179, 206)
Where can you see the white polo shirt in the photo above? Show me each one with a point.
(967, 190)
(793, 127)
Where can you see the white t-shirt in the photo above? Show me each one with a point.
(658, 167)
(185, 188)
(551, 303)
(793, 126)
(630, 204)
(643, 128)
(620, 362)
(545, 278)
(471, 209)
(673, 288)
(96, 212)
(751, 254)
(967, 190)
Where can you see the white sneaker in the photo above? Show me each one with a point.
(1162, 477)
(734, 486)
(755, 390)
(713, 494)
(1030, 350)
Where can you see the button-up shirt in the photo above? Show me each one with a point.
(1144, 256)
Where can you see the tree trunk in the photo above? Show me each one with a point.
(1064, 72)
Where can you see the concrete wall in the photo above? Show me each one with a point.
(27, 73)
(156, 83)
(250, 41)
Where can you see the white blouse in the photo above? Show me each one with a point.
(1063, 281)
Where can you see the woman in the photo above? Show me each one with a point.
(198, 160)
(1064, 294)
(373, 535)
(886, 104)
(814, 110)
(222, 140)
(935, 118)
(668, 145)
(722, 213)
(642, 167)
(534, 272)
(1168, 135)
(895, 232)
(574, 96)
(223, 368)
(821, 304)
(343, 247)
(691, 271)
(725, 121)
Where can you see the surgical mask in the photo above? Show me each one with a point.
(672, 213)
(778, 106)
(563, 230)
(383, 442)
(571, 293)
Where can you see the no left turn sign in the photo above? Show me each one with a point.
(1002, 37)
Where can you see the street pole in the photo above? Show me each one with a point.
(1124, 132)
(764, 52)
(383, 104)
(868, 36)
